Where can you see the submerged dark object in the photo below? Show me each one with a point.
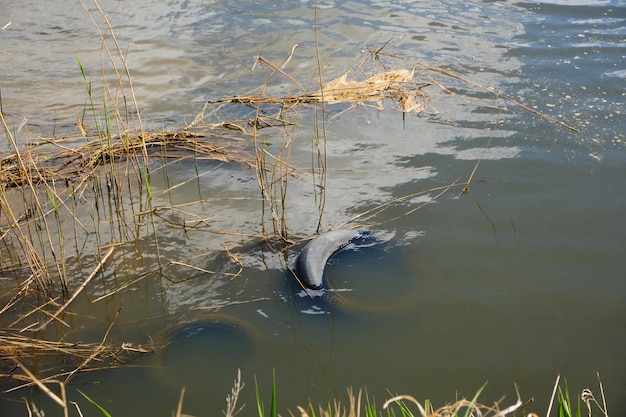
(312, 260)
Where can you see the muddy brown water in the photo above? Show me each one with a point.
(519, 280)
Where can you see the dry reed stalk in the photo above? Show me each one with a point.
(466, 187)
(266, 175)
(60, 402)
(554, 391)
(36, 263)
(78, 290)
(179, 408)
(368, 215)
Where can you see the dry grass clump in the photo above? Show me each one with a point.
(396, 85)
(18, 350)
(51, 161)
(27, 362)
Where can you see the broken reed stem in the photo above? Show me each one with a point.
(604, 407)
(554, 390)
(375, 211)
(79, 290)
(41, 385)
(179, 408)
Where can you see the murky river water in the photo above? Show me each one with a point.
(514, 282)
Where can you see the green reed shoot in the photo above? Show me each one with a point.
(370, 406)
(146, 178)
(88, 86)
(564, 403)
(470, 408)
(259, 400)
(98, 406)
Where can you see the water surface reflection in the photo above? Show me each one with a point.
(516, 281)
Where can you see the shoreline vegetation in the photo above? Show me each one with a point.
(89, 196)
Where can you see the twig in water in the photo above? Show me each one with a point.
(485, 149)
(79, 290)
(41, 386)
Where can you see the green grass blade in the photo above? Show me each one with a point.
(259, 401)
(370, 406)
(312, 412)
(273, 410)
(404, 409)
(82, 71)
(567, 397)
(88, 86)
(102, 410)
(468, 410)
(146, 178)
(563, 405)
(52, 200)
